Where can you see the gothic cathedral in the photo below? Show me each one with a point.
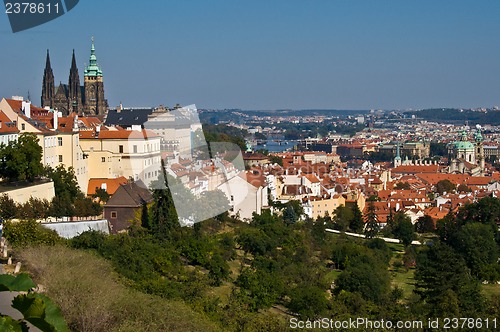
(72, 97)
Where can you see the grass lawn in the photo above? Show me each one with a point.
(222, 292)
(404, 280)
(332, 275)
(491, 289)
(396, 247)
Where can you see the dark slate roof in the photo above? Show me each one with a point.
(130, 195)
(128, 117)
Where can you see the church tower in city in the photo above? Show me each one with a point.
(95, 103)
(88, 99)
(74, 89)
(48, 87)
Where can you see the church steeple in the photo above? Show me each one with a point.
(397, 160)
(48, 88)
(95, 102)
(74, 100)
(93, 68)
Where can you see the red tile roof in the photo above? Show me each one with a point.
(414, 169)
(7, 126)
(111, 185)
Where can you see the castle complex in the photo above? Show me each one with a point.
(72, 97)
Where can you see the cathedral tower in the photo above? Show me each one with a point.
(74, 90)
(48, 88)
(95, 103)
(479, 148)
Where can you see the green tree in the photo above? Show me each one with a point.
(163, 219)
(101, 194)
(445, 186)
(21, 159)
(463, 188)
(403, 228)
(343, 217)
(309, 301)
(261, 287)
(65, 183)
(218, 269)
(34, 208)
(85, 207)
(447, 228)
(367, 276)
(425, 224)
(371, 222)
(402, 185)
(276, 160)
(292, 211)
(28, 144)
(476, 243)
(8, 208)
(29, 233)
(357, 223)
(442, 276)
(486, 211)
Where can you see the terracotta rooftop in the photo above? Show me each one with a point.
(6, 125)
(111, 184)
(414, 169)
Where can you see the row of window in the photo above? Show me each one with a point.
(149, 148)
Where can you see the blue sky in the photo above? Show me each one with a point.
(270, 54)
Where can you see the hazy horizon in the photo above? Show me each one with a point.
(261, 55)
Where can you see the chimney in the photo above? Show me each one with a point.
(75, 122)
(56, 119)
(26, 106)
(97, 131)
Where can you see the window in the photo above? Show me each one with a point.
(59, 141)
(135, 148)
(103, 159)
(23, 126)
(114, 214)
(232, 198)
(120, 149)
(60, 158)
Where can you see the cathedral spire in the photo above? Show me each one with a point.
(73, 62)
(74, 93)
(47, 61)
(48, 88)
(93, 69)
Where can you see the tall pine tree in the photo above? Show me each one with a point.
(372, 227)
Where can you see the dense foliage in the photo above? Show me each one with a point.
(21, 159)
(240, 275)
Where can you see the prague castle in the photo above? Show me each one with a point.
(72, 97)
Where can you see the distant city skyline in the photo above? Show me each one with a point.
(265, 55)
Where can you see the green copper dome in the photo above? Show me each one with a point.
(478, 136)
(92, 69)
(463, 145)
